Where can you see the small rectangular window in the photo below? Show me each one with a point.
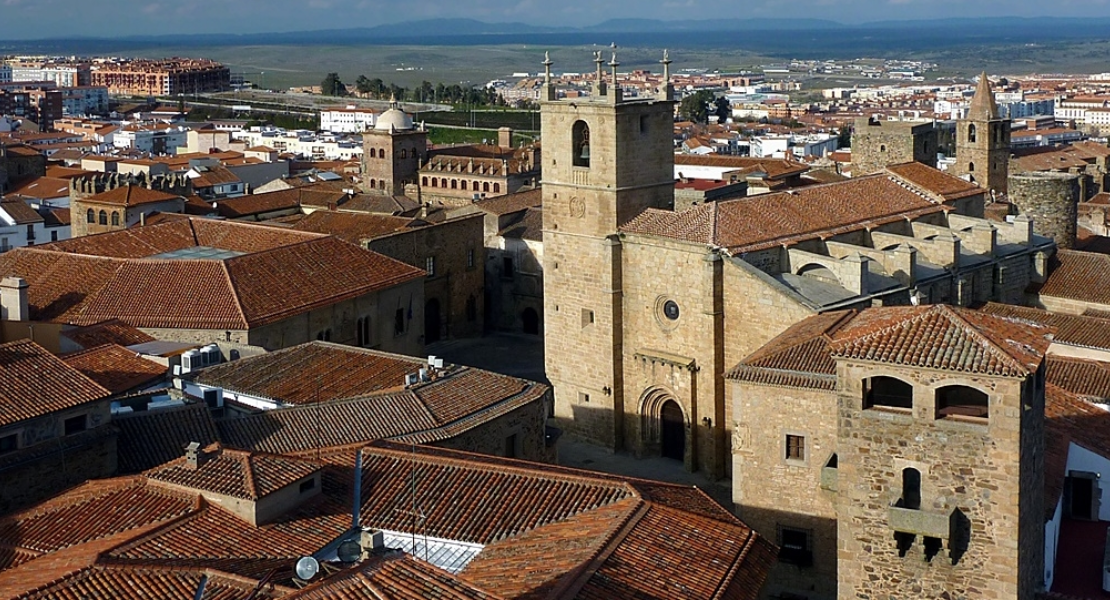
(587, 317)
(583, 398)
(470, 258)
(795, 447)
(308, 485)
(9, 443)
(430, 266)
(507, 267)
(510, 446)
(75, 425)
(795, 546)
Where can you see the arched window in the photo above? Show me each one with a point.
(911, 489)
(887, 392)
(381, 185)
(363, 332)
(404, 153)
(497, 188)
(580, 133)
(424, 181)
(442, 182)
(103, 218)
(454, 184)
(970, 167)
(90, 216)
(485, 187)
(115, 218)
(882, 147)
(960, 401)
(971, 133)
(435, 182)
(475, 186)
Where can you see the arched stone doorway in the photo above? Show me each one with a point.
(672, 431)
(432, 322)
(531, 320)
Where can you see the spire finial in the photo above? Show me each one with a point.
(666, 66)
(614, 64)
(547, 67)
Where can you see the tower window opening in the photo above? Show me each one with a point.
(961, 401)
(911, 489)
(971, 133)
(581, 146)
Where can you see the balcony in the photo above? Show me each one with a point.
(920, 522)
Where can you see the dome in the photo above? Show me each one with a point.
(393, 119)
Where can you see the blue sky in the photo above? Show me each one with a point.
(24, 19)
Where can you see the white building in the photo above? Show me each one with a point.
(61, 75)
(770, 146)
(5, 73)
(350, 119)
(158, 138)
(85, 100)
(21, 225)
(307, 144)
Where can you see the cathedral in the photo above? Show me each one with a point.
(751, 338)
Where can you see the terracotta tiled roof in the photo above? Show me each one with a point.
(774, 168)
(34, 383)
(57, 217)
(351, 226)
(1082, 276)
(254, 204)
(137, 582)
(247, 475)
(1089, 379)
(151, 438)
(21, 212)
(130, 195)
(380, 203)
(1073, 330)
(798, 357)
(213, 176)
(770, 220)
(115, 368)
(108, 332)
(528, 227)
(946, 338)
(42, 188)
(393, 576)
(1055, 160)
(510, 203)
(283, 273)
(934, 181)
(358, 396)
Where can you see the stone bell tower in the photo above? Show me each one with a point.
(983, 141)
(605, 160)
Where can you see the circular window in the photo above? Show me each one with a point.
(670, 310)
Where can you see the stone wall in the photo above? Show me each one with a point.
(391, 159)
(973, 497)
(508, 296)
(771, 492)
(518, 434)
(1052, 200)
(457, 285)
(878, 143)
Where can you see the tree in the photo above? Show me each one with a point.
(362, 85)
(844, 139)
(722, 108)
(695, 107)
(332, 86)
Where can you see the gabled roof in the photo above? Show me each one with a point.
(235, 473)
(550, 531)
(115, 368)
(278, 274)
(1073, 330)
(1075, 275)
(1089, 379)
(350, 226)
(150, 438)
(21, 212)
(34, 382)
(528, 226)
(945, 338)
(770, 220)
(510, 203)
(798, 357)
(929, 180)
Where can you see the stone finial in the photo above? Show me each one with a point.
(547, 67)
(666, 66)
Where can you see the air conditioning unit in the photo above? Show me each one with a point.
(211, 355)
(191, 361)
(423, 374)
(411, 379)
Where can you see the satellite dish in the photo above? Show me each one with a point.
(349, 551)
(307, 568)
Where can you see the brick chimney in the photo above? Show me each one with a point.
(505, 137)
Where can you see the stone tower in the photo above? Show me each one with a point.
(940, 455)
(1052, 200)
(878, 143)
(983, 141)
(392, 152)
(605, 160)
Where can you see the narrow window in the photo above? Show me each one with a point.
(795, 546)
(115, 219)
(507, 267)
(430, 266)
(643, 124)
(497, 188)
(471, 309)
(485, 187)
(424, 181)
(103, 218)
(510, 446)
(795, 447)
(580, 133)
(971, 133)
(399, 321)
(911, 489)
(90, 216)
(470, 258)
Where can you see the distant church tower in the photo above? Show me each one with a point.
(391, 152)
(605, 160)
(983, 141)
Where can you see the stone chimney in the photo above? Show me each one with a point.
(194, 456)
(13, 300)
(505, 137)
